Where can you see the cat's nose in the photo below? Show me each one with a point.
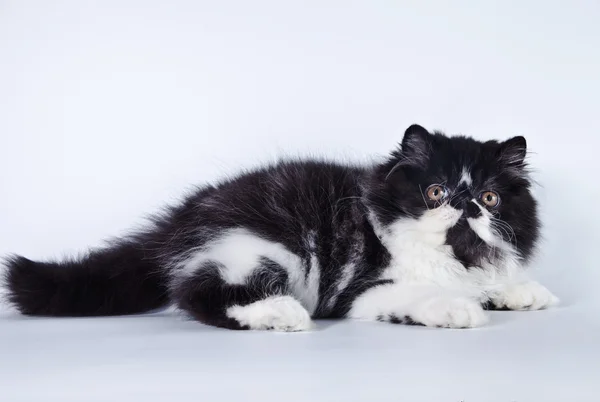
(466, 204)
(471, 210)
(461, 199)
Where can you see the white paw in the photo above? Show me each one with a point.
(450, 312)
(524, 296)
(278, 313)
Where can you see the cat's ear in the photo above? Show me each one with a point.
(416, 146)
(512, 152)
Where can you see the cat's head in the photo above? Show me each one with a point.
(477, 195)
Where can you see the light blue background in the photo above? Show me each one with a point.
(110, 109)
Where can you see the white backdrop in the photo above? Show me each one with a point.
(108, 110)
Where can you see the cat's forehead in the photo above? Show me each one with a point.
(459, 160)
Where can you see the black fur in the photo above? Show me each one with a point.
(117, 280)
(286, 203)
(394, 319)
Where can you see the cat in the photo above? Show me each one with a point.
(434, 235)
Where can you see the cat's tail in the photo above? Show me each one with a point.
(120, 279)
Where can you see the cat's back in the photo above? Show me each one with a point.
(291, 195)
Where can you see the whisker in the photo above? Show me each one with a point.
(423, 195)
(499, 223)
(392, 170)
(506, 228)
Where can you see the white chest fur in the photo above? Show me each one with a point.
(419, 253)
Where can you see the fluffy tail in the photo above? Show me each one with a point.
(117, 280)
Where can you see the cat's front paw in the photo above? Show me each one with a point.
(450, 312)
(523, 296)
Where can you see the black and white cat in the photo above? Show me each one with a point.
(439, 231)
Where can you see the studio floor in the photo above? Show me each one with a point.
(545, 356)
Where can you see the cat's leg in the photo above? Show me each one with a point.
(418, 304)
(525, 295)
(261, 301)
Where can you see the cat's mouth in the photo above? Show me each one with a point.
(476, 219)
(472, 234)
(441, 218)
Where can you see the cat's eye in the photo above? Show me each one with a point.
(490, 198)
(436, 192)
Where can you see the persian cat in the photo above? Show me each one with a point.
(434, 235)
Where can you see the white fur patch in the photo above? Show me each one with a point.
(418, 249)
(311, 289)
(465, 177)
(482, 225)
(239, 252)
(430, 229)
(279, 313)
(507, 267)
(528, 295)
(343, 282)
